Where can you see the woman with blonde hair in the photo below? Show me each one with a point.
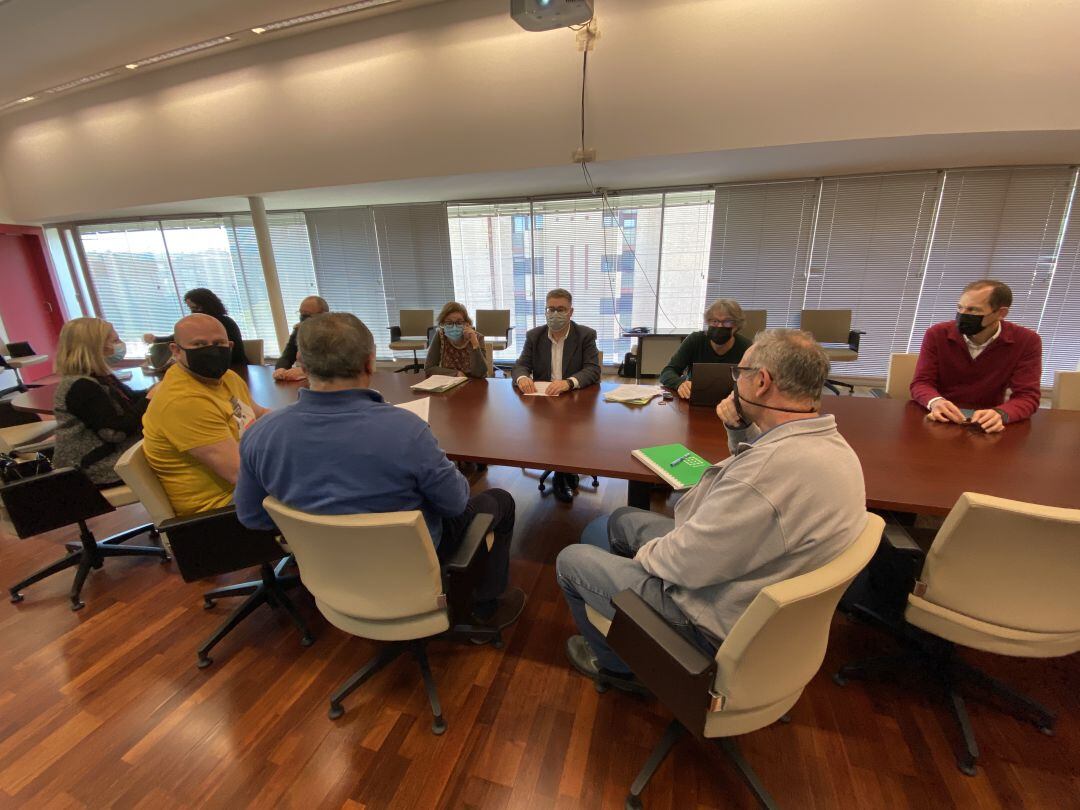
(456, 349)
(97, 416)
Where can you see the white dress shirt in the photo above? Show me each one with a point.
(557, 358)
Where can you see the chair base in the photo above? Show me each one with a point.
(671, 736)
(415, 365)
(950, 671)
(91, 553)
(387, 655)
(835, 385)
(269, 590)
(548, 473)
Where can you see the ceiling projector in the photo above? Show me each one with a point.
(547, 15)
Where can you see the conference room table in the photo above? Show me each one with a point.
(910, 464)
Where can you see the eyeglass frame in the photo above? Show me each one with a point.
(736, 370)
(730, 323)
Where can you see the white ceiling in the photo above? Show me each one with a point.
(44, 43)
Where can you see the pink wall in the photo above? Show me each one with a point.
(29, 305)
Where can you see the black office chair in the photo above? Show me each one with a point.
(67, 497)
(12, 363)
(213, 543)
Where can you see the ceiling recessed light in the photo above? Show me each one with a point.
(24, 99)
(93, 77)
(178, 52)
(131, 67)
(321, 15)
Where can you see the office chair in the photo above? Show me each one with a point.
(24, 432)
(1066, 394)
(754, 321)
(213, 543)
(413, 322)
(494, 325)
(833, 326)
(757, 675)
(376, 576)
(254, 352)
(67, 497)
(20, 355)
(1001, 576)
(898, 379)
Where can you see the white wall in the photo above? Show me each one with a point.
(458, 88)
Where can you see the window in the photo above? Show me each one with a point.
(869, 251)
(684, 259)
(1059, 324)
(292, 255)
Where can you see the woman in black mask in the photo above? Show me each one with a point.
(718, 342)
(202, 300)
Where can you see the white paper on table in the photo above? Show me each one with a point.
(629, 393)
(421, 407)
(439, 383)
(541, 389)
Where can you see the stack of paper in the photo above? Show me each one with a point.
(437, 383)
(421, 407)
(541, 389)
(633, 394)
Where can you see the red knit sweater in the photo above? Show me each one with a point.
(1013, 361)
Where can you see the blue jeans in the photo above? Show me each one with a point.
(602, 565)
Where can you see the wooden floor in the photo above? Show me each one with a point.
(105, 708)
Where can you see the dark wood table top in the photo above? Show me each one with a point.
(910, 464)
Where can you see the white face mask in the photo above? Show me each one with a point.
(119, 352)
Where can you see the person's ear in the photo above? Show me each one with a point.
(370, 365)
(175, 351)
(1003, 311)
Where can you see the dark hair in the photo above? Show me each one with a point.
(1000, 292)
(206, 301)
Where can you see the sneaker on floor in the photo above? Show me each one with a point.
(584, 661)
(507, 610)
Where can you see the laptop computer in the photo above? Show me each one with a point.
(711, 383)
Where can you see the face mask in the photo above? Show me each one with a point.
(557, 321)
(209, 361)
(119, 352)
(454, 331)
(719, 334)
(969, 324)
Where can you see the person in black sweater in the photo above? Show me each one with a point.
(719, 342)
(286, 368)
(205, 301)
(97, 416)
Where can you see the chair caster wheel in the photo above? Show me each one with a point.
(335, 711)
(839, 679)
(601, 687)
(785, 719)
(208, 603)
(633, 803)
(307, 641)
(204, 661)
(1047, 730)
(968, 768)
(541, 488)
(77, 604)
(165, 558)
(16, 598)
(438, 726)
(497, 642)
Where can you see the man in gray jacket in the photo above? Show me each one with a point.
(788, 500)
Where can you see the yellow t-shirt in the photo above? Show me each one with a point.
(185, 413)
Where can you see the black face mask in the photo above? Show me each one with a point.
(719, 334)
(209, 361)
(745, 422)
(969, 324)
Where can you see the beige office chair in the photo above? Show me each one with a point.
(254, 352)
(494, 325)
(377, 576)
(760, 670)
(214, 543)
(654, 352)
(1001, 576)
(406, 337)
(1066, 394)
(899, 376)
(754, 321)
(30, 437)
(833, 326)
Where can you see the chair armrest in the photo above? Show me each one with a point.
(395, 334)
(465, 569)
(215, 542)
(509, 330)
(673, 669)
(900, 539)
(853, 339)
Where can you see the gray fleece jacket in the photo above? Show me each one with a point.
(784, 503)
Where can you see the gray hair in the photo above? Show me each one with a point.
(731, 307)
(559, 292)
(335, 345)
(797, 364)
(318, 299)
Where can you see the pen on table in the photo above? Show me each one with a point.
(680, 459)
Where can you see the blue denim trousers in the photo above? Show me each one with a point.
(601, 565)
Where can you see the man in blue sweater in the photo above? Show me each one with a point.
(340, 449)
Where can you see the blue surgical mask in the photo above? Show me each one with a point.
(454, 331)
(119, 352)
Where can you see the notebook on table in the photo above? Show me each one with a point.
(437, 383)
(678, 466)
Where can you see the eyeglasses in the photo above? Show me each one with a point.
(736, 370)
(729, 324)
(559, 310)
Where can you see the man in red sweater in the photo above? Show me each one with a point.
(972, 361)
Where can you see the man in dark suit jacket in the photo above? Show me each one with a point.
(286, 367)
(563, 354)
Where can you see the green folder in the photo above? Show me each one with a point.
(683, 475)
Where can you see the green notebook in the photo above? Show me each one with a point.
(683, 475)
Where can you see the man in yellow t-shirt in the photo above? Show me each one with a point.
(192, 428)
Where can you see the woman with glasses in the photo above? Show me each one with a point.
(457, 349)
(719, 342)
